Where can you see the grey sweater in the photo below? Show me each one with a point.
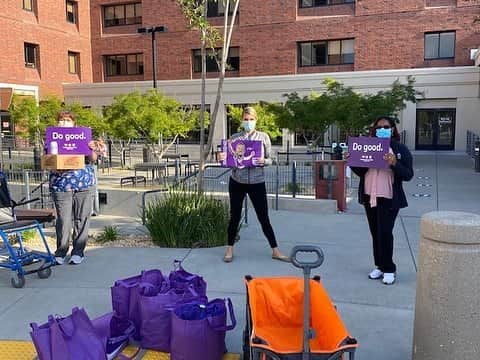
(253, 175)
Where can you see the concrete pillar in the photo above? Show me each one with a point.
(447, 310)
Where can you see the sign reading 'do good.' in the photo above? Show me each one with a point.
(368, 152)
(70, 141)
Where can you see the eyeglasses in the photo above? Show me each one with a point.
(383, 127)
(251, 119)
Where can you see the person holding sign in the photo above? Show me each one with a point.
(381, 192)
(71, 192)
(249, 180)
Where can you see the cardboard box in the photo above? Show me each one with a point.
(62, 162)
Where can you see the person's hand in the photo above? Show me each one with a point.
(258, 161)
(221, 156)
(92, 144)
(390, 158)
(346, 155)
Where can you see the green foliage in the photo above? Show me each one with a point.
(182, 219)
(109, 233)
(308, 115)
(351, 111)
(267, 119)
(149, 116)
(29, 235)
(290, 187)
(31, 119)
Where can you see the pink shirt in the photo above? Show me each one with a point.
(378, 183)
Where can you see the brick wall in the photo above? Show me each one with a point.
(48, 28)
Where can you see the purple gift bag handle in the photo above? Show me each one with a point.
(232, 317)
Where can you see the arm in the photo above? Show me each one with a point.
(403, 167)
(267, 146)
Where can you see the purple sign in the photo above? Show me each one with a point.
(242, 153)
(68, 141)
(368, 152)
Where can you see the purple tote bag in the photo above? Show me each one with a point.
(126, 292)
(198, 330)
(182, 279)
(156, 313)
(69, 338)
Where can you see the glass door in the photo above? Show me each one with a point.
(435, 129)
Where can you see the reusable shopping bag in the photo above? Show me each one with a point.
(198, 330)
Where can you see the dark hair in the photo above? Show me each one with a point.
(65, 114)
(393, 125)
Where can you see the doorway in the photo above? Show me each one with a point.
(435, 129)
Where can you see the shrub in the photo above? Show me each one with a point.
(29, 235)
(182, 219)
(109, 233)
(291, 186)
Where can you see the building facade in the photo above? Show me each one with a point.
(45, 43)
(278, 46)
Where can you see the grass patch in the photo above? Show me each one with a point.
(182, 219)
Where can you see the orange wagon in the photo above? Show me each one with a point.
(283, 324)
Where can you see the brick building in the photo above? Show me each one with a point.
(278, 46)
(45, 43)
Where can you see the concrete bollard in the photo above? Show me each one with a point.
(447, 310)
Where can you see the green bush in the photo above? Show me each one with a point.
(291, 186)
(109, 233)
(29, 235)
(183, 219)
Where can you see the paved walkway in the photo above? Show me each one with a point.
(380, 317)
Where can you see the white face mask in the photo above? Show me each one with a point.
(66, 123)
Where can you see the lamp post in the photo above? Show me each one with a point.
(153, 30)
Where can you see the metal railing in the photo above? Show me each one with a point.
(472, 138)
(28, 184)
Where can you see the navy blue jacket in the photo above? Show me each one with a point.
(402, 171)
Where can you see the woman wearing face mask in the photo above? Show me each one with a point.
(250, 181)
(71, 192)
(381, 193)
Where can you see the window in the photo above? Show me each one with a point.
(28, 5)
(327, 52)
(217, 8)
(31, 55)
(71, 11)
(118, 15)
(313, 3)
(233, 60)
(73, 62)
(440, 45)
(130, 64)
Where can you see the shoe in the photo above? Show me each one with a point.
(59, 260)
(228, 259)
(375, 274)
(283, 258)
(388, 278)
(76, 260)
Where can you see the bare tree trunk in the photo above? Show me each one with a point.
(227, 37)
(201, 165)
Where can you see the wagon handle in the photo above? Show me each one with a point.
(307, 265)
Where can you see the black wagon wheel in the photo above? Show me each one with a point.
(44, 273)
(17, 281)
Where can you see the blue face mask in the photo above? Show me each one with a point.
(383, 133)
(249, 125)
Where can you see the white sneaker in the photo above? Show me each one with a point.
(76, 260)
(388, 278)
(375, 274)
(59, 260)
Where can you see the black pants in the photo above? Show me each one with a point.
(258, 195)
(381, 220)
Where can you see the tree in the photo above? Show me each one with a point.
(195, 11)
(32, 118)
(355, 112)
(150, 116)
(308, 115)
(267, 119)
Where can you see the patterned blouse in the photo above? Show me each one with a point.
(72, 180)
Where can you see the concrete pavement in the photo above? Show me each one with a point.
(379, 316)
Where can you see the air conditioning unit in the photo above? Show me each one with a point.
(473, 53)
